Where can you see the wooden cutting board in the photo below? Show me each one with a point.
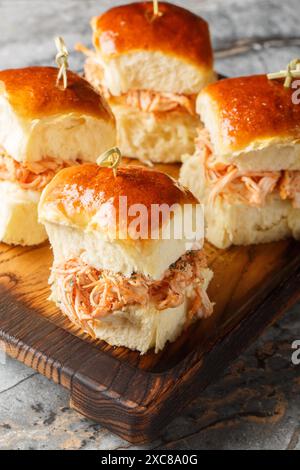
(135, 396)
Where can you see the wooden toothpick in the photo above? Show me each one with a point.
(156, 11)
(62, 61)
(155, 8)
(110, 159)
(292, 71)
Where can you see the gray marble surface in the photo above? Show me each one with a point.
(255, 405)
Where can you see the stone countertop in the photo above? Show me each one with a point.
(255, 404)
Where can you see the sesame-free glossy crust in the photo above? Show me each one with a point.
(253, 109)
(78, 193)
(132, 27)
(32, 93)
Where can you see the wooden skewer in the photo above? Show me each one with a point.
(292, 71)
(62, 61)
(110, 159)
(155, 8)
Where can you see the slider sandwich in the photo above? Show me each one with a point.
(150, 69)
(246, 168)
(43, 129)
(109, 276)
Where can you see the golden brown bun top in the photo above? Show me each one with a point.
(132, 27)
(76, 194)
(253, 108)
(32, 93)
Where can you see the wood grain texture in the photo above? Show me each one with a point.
(134, 395)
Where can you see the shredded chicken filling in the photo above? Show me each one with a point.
(30, 175)
(151, 101)
(86, 293)
(144, 100)
(250, 187)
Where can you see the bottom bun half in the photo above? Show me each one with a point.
(19, 216)
(157, 137)
(138, 328)
(231, 222)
